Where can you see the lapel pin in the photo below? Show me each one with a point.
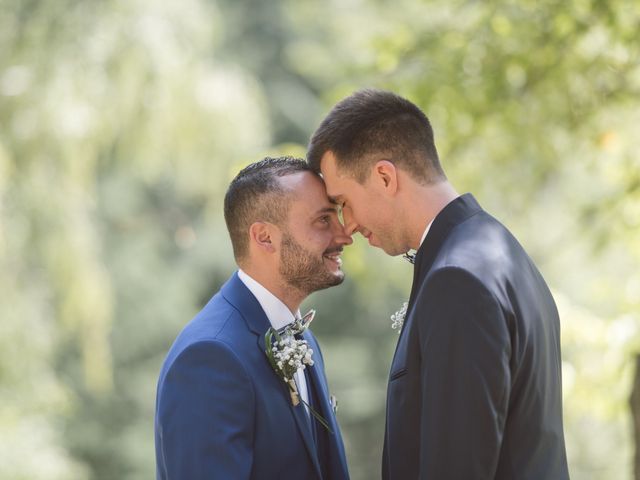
(334, 403)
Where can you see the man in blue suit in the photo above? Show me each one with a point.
(475, 385)
(222, 411)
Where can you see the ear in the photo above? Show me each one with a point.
(385, 177)
(263, 236)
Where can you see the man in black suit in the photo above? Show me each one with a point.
(475, 385)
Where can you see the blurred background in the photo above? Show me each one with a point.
(122, 122)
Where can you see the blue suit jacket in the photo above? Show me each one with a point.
(475, 384)
(223, 413)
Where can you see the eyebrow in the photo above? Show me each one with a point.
(326, 210)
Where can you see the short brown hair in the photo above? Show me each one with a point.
(255, 195)
(375, 121)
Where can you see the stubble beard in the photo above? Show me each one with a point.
(304, 270)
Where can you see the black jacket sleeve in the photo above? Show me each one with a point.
(465, 376)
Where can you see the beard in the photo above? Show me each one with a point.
(304, 269)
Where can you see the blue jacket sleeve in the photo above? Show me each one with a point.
(465, 377)
(206, 415)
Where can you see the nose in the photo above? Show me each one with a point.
(350, 224)
(343, 238)
(340, 235)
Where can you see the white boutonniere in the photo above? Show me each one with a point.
(397, 319)
(287, 355)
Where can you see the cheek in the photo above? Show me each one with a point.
(368, 214)
(328, 238)
(318, 241)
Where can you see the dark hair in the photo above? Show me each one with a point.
(255, 195)
(375, 121)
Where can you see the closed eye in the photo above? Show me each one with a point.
(338, 201)
(326, 216)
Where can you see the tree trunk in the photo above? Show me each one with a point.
(635, 412)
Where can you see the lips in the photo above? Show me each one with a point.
(334, 256)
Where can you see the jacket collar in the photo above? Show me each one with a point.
(238, 295)
(453, 214)
(277, 312)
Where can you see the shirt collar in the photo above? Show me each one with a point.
(277, 312)
(424, 235)
(426, 230)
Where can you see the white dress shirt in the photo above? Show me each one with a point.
(426, 230)
(279, 316)
(424, 235)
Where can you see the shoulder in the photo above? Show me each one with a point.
(217, 330)
(204, 369)
(206, 355)
(481, 248)
(480, 238)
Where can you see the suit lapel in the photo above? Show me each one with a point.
(237, 293)
(304, 428)
(321, 388)
(336, 466)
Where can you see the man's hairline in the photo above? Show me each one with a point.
(287, 195)
(343, 171)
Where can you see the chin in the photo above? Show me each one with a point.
(327, 283)
(394, 249)
(336, 274)
(391, 250)
(338, 277)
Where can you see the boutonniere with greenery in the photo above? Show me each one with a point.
(397, 319)
(288, 354)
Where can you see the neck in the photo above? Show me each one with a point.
(287, 294)
(290, 296)
(422, 205)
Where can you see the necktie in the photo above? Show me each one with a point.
(312, 404)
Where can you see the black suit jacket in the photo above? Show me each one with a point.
(475, 384)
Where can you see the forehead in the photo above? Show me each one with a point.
(337, 183)
(307, 192)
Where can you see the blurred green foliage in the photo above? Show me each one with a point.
(122, 122)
